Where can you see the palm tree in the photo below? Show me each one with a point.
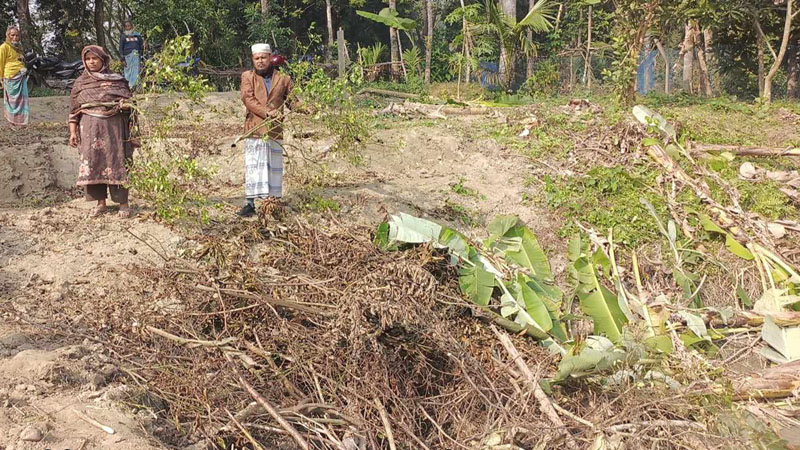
(512, 35)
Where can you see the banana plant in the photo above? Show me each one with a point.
(512, 35)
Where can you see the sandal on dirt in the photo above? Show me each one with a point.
(125, 213)
(97, 211)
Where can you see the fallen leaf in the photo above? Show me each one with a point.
(776, 230)
(748, 171)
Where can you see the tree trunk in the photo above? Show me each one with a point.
(792, 90)
(25, 23)
(506, 65)
(705, 80)
(329, 17)
(787, 31)
(428, 40)
(687, 48)
(708, 45)
(761, 70)
(531, 62)
(467, 49)
(393, 44)
(588, 67)
(628, 93)
(99, 22)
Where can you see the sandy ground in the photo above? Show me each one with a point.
(50, 248)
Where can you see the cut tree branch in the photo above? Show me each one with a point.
(269, 408)
(545, 406)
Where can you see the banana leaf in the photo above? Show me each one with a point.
(477, 284)
(596, 355)
(390, 18)
(730, 242)
(647, 116)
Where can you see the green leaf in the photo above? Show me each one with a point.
(686, 283)
(650, 142)
(595, 355)
(499, 227)
(382, 236)
(661, 343)
(407, 229)
(744, 297)
(477, 284)
(718, 163)
(696, 324)
(605, 312)
(730, 242)
(540, 18)
(530, 254)
(598, 302)
(455, 242)
(737, 249)
(533, 303)
(599, 258)
(390, 18)
(710, 226)
(576, 247)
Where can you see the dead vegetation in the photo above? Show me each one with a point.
(351, 347)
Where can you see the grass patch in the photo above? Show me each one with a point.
(313, 201)
(459, 213)
(761, 197)
(39, 91)
(608, 198)
(465, 191)
(409, 88)
(544, 141)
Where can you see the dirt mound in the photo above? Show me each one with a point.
(47, 256)
(34, 161)
(49, 389)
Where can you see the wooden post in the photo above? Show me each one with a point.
(588, 66)
(666, 65)
(340, 45)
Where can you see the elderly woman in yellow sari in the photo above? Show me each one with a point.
(14, 79)
(99, 126)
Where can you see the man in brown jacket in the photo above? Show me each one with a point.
(264, 93)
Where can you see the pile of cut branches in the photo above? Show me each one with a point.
(282, 333)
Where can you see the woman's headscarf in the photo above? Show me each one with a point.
(105, 72)
(103, 86)
(18, 46)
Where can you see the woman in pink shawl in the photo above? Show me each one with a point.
(101, 132)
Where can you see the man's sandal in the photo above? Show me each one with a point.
(98, 211)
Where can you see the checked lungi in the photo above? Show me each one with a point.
(15, 99)
(263, 166)
(132, 62)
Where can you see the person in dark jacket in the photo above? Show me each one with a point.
(131, 47)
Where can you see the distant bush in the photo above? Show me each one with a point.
(544, 81)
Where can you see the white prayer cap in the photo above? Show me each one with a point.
(260, 48)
